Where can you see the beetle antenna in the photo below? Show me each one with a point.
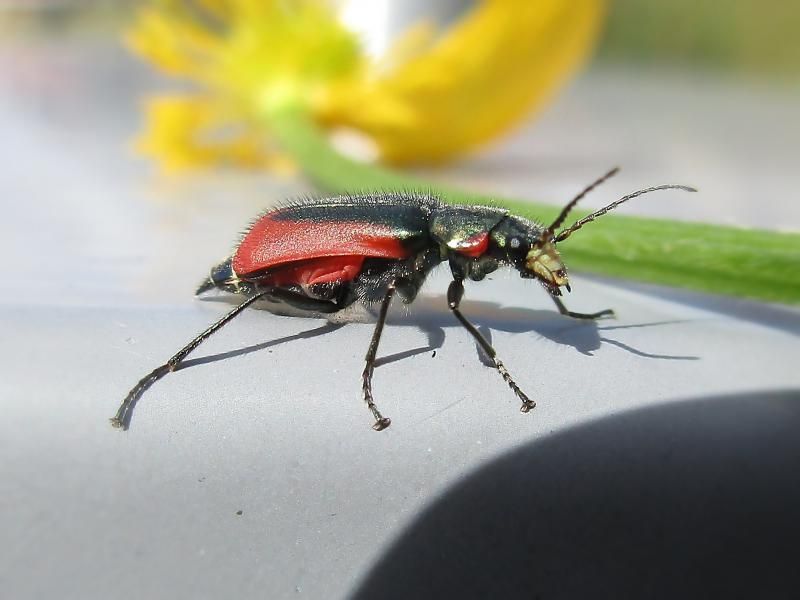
(565, 211)
(578, 224)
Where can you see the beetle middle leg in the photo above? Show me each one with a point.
(381, 422)
(576, 315)
(454, 295)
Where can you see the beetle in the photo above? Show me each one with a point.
(322, 255)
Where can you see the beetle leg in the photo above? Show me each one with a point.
(576, 315)
(123, 417)
(454, 295)
(381, 422)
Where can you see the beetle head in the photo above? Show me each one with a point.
(543, 261)
(531, 251)
(541, 258)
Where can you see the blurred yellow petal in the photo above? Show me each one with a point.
(407, 46)
(435, 95)
(247, 58)
(175, 44)
(275, 48)
(502, 60)
(243, 50)
(217, 8)
(187, 132)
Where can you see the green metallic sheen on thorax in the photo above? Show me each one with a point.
(452, 226)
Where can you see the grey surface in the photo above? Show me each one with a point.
(100, 262)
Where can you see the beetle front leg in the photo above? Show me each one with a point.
(454, 295)
(576, 315)
(381, 422)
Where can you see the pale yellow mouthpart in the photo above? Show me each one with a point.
(547, 265)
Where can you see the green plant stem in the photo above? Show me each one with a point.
(746, 263)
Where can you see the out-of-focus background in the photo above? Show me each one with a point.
(682, 91)
(250, 473)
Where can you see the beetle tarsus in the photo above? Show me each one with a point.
(382, 423)
(123, 417)
(591, 316)
(609, 312)
(576, 315)
(527, 403)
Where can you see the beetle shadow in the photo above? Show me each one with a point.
(431, 315)
(158, 373)
(303, 335)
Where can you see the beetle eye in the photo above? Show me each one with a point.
(514, 243)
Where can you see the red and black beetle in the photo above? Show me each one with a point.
(322, 255)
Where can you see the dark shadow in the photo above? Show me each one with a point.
(640, 325)
(431, 315)
(693, 499)
(775, 316)
(435, 337)
(123, 417)
(643, 354)
(485, 359)
(303, 335)
(583, 335)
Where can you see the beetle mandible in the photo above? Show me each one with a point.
(322, 255)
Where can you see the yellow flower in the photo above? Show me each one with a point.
(489, 70)
(435, 94)
(191, 131)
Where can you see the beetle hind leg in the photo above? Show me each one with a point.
(123, 417)
(576, 315)
(454, 295)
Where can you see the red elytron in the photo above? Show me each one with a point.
(274, 243)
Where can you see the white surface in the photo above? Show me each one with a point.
(99, 266)
(281, 434)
